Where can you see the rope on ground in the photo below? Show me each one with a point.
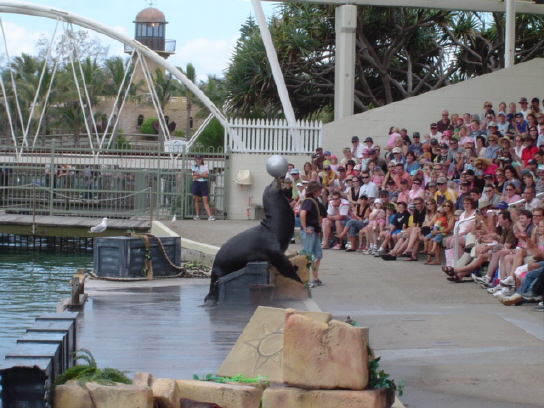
(186, 270)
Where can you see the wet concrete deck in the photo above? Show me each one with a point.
(157, 327)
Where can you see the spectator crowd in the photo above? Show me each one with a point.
(464, 194)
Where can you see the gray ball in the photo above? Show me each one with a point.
(277, 165)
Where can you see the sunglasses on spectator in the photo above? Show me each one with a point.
(440, 184)
(416, 182)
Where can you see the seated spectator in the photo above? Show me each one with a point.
(358, 221)
(377, 175)
(396, 156)
(490, 195)
(510, 195)
(416, 146)
(356, 148)
(334, 162)
(416, 192)
(442, 156)
(401, 174)
(399, 223)
(338, 214)
(464, 192)
(444, 124)
(475, 131)
(369, 143)
(520, 125)
(487, 253)
(444, 192)
(512, 177)
(528, 151)
(485, 166)
(347, 156)
(374, 154)
(531, 201)
(469, 206)
(309, 173)
(318, 158)
(394, 133)
(433, 134)
(368, 188)
(492, 149)
(415, 223)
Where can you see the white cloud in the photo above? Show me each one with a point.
(19, 39)
(209, 57)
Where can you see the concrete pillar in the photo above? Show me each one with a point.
(346, 23)
(510, 33)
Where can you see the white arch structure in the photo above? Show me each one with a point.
(19, 7)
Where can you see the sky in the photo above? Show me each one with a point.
(205, 30)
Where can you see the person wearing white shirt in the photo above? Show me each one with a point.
(338, 214)
(368, 188)
(356, 148)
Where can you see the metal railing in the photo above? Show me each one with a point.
(458, 225)
(112, 183)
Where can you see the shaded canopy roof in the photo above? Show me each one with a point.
(150, 15)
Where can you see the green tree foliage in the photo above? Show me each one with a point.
(147, 127)
(213, 135)
(400, 52)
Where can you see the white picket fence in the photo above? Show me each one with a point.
(272, 136)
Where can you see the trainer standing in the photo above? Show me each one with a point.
(199, 188)
(311, 215)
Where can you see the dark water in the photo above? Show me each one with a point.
(32, 284)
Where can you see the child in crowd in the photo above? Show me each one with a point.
(334, 163)
(376, 219)
(432, 240)
(378, 176)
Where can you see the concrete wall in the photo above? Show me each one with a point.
(417, 113)
(256, 163)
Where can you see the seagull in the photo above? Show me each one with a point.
(100, 227)
(174, 218)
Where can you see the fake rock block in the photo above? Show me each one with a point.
(120, 396)
(288, 289)
(289, 397)
(141, 378)
(259, 349)
(323, 356)
(165, 393)
(224, 395)
(71, 395)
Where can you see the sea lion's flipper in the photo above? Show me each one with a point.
(284, 266)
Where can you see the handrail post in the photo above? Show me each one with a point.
(52, 172)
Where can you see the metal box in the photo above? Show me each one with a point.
(34, 350)
(65, 327)
(26, 382)
(124, 257)
(234, 288)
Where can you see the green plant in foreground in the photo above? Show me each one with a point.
(378, 378)
(90, 372)
(238, 378)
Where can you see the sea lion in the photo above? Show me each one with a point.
(265, 242)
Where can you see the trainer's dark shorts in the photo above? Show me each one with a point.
(200, 188)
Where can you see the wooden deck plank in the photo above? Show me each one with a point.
(47, 225)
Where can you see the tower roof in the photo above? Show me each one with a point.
(150, 15)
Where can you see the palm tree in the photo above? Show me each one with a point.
(190, 97)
